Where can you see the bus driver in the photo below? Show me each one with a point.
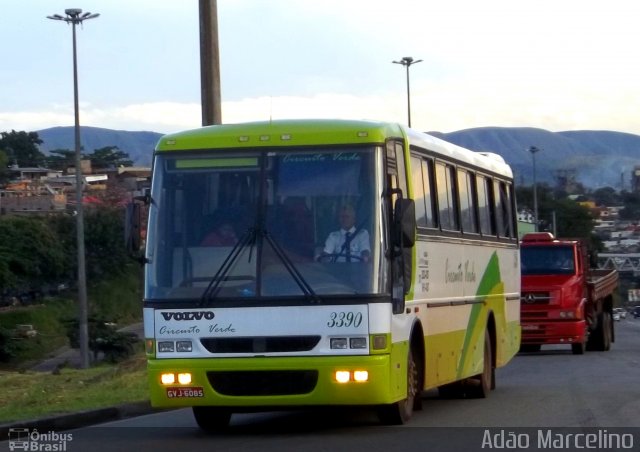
(349, 244)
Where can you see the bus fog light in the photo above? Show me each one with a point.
(184, 379)
(168, 379)
(165, 347)
(339, 343)
(379, 342)
(358, 342)
(184, 346)
(361, 375)
(343, 376)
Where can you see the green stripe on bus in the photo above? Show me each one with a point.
(216, 163)
(490, 279)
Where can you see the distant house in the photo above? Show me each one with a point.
(32, 174)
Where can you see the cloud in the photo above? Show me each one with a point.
(436, 105)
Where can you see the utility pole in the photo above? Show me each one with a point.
(407, 62)
(75, 17)
(534, 150)
(210, 63)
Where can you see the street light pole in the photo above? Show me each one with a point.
(74, 17)
(533, 151)
(210, 63)
(407, 62)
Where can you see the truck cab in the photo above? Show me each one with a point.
(563, 300)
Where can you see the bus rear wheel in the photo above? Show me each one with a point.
(400, 412)
(212, 419)
(481, 385)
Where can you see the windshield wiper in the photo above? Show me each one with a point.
(249, 237)
(292, 269)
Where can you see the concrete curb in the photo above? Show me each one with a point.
(80, 419)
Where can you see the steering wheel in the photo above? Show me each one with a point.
(333, 257)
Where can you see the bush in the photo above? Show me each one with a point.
(103, 338)
(8, 346)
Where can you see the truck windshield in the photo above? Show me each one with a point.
(547, 260)
(254, 225)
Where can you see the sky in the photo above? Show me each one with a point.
(550, 64)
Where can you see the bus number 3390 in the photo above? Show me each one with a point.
(344, 319)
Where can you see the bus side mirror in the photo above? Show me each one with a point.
(132, 224)
(405, 220)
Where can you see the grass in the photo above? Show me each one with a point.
(28, 395)
(31, 395)
(116, 299)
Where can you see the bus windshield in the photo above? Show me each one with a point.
(547, 260)
(245, 225)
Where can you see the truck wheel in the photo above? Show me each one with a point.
(212, 419)
(530, 348)
(579, 348)
(608, 330)
(600, 338)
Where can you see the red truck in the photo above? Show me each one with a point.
(563, 300)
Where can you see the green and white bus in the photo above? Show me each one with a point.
(272, 320)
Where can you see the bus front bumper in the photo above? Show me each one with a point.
(275, 381)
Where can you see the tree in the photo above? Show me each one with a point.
(109, 157)
(30, 253)
(4, 163)
(22, 148)
(606, 196)
(61, 159)
(572, 219)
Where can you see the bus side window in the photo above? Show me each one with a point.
(485, 206)
(466, 189)
(503, 210)
(447, 200)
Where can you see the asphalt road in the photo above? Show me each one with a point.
(537, 393)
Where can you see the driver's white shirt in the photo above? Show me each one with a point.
(359, 243)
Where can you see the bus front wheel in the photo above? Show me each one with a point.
(212, 419)
(400, 412)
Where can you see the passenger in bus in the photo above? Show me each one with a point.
(349, 243)
(222, 235)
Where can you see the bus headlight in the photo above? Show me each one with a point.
(358, 342)
(168, 379)
(361, 375)
(343, 376)
(339, 343)
(184, 346)
(184, 379)
(166, 347)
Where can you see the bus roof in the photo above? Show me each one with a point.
(315, 132)
(280, 133)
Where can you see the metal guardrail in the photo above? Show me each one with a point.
(623, 262)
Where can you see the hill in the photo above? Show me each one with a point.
(139, 145)
(597, 158)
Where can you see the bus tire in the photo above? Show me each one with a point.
(479, 386)
(400, 412)
(212, 419)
